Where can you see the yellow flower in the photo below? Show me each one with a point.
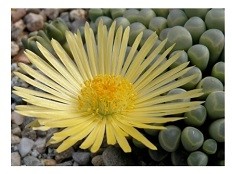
(101, 92)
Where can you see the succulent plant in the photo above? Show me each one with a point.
(192, 138)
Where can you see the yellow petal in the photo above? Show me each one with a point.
(149, 59)
(50, 72)
(120, 137)
(167, 98)
(37, 101)
(67, 61)
(25, 93)
(110, 133)
(43, 87)
(137, 135)
(69, 121)
(164, 78)
(91, 48)
(90, 140)
(109, 47)
(141, 56)
(131, 54)
(79, 54)
(122, 51)
(167, 87)
(101, 38)
(168, 106)
(59, 67)
(99, 138)
(155, 69)
(73, 139)
(116, 50)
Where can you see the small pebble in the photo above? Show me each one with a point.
(66, 163)
(48, 162)
(51, 13)
(33, 10)
(40, 145)
(17, 118)
(77, 14)
(15, 159)
(65, 16)
(50, 132)
(16, 130)
(14, 67)
(34, 22)
(42, 13)
(77, 24)
(82, 158)
(21, 57)
(14, 48)
(113, 156)
(31, 161)
(17, 14)
(64, 155)
(97, 161)
(41, 134)
(15, 139)
(75, 163)
(35, 153)
(16, 99)
(13, 106)
(20, 25)
(25, 146)
(29, 133)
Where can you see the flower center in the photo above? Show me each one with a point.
(107, 95)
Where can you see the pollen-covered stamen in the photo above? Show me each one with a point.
(107, 95)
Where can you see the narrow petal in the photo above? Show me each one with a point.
(168, 106)
(91, 139)
(50, 72)
(150, 119)
(42, 112)
(68, 122)
(167, 88)
(116, 50)
(58, 91)
(37, 101)
(161, 113)
(120, 137)
(102, 38)
(167, 98)
(131, 54)
(110, 133)
(138, 123)
(141, 56)
(137, 135)
(25, 93)
(59, 67)
(149, 59)
(41, 128)
(74, 138)
(109, 47)
(122, 51)
(156, 69)
(91, 48)
(161, 81)
(79, 54)
(99, 138)
(72, 130)
(67, 61)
